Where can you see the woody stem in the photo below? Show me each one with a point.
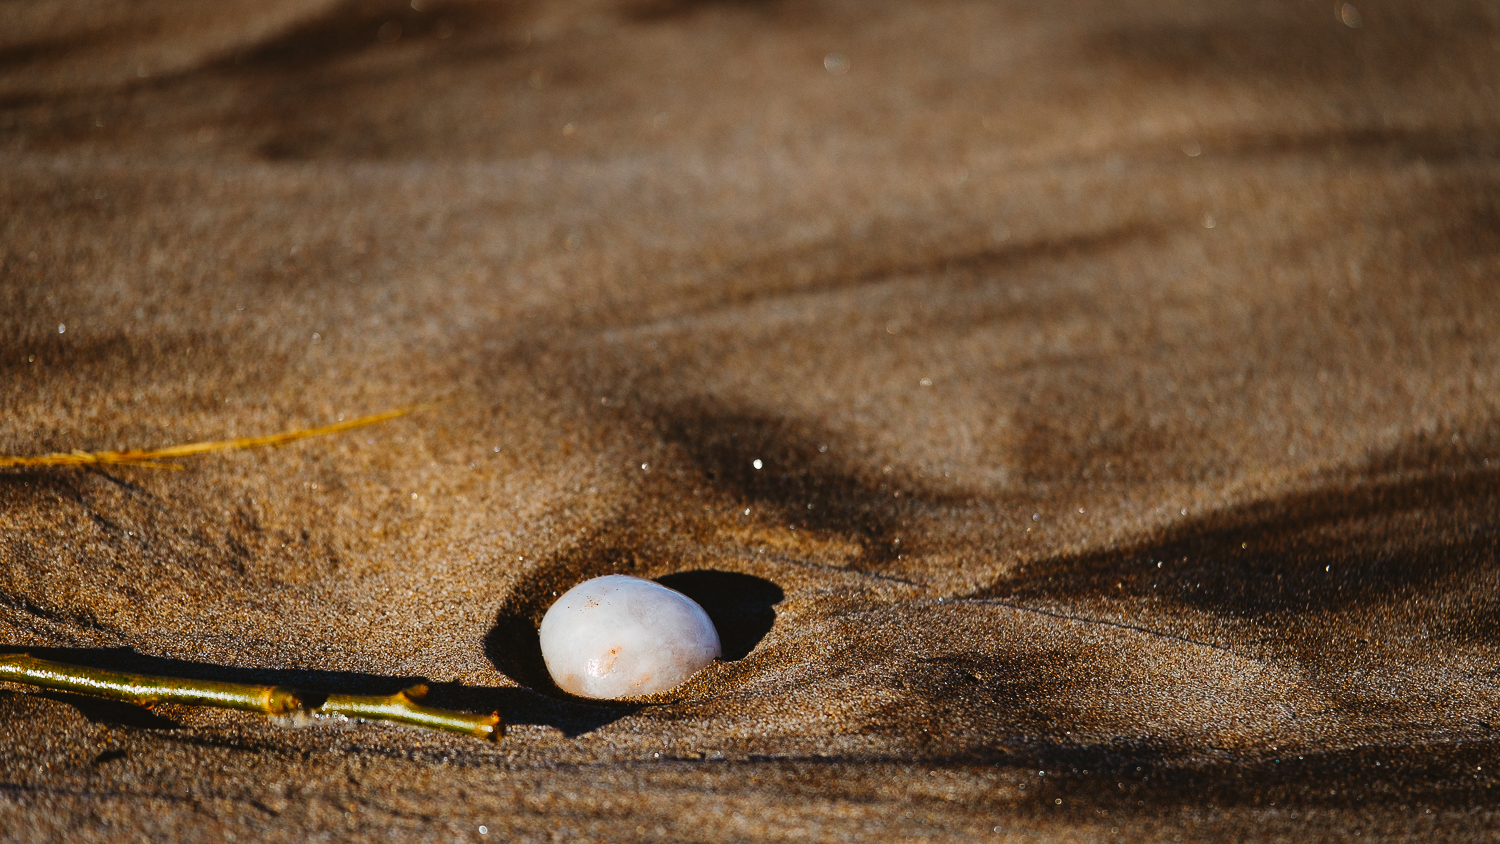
(144, 689)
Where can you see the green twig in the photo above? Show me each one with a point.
(146, 690)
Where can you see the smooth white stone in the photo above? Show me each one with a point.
(619, 636)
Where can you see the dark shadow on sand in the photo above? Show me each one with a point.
(741, 606)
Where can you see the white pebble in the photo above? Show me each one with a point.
(619, 636)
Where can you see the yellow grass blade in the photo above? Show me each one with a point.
(149, 457)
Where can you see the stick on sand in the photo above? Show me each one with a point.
(403, 707)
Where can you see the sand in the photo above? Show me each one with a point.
(1123, 379)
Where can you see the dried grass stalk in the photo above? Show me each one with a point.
(150, 457)
(403, 707)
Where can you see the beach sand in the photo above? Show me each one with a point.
(1123, 380)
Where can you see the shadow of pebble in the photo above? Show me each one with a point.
(741, 606)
